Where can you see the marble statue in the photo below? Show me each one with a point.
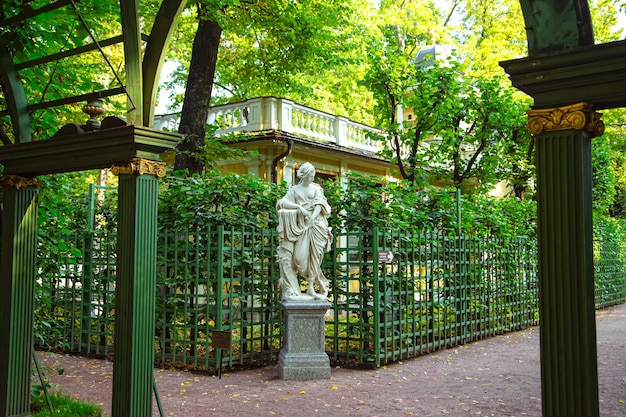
(304, 236)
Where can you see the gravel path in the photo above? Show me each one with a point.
(494, 377)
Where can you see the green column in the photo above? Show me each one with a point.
(18, 255)
(135, 288)
(566, 290)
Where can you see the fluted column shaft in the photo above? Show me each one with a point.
(135, 290)
(566, 279)
(18, 266)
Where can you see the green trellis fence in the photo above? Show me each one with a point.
(394, 295)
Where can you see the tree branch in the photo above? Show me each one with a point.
(54, 71)
(453, 6)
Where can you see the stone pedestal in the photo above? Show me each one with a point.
(303, 356)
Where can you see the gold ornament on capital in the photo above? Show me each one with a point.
(576, 116)
(17, 182)
(139, 166)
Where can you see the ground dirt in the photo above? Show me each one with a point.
(499, 376)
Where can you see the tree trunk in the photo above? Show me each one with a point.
(195, 109)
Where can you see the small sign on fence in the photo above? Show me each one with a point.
(385, 256)
(221, 339)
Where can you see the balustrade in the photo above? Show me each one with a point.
(272, 113)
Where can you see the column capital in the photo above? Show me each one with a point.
(17, 182)
(140, 166)
(578, 116)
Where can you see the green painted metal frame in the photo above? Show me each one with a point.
(567, 310)
(439, 291)
(131, 32)
(556, 25)
(592, 74)
(142, 67)
(574, 87)
(217, 278)
(132, 389)
(14, 96)
(160, 37)
(93, 150)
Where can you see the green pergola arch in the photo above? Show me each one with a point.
(557, 25)
(568, 76)
(132, 148)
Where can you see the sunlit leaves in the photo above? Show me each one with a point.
(210, 199)
(455, 126)
(310, 52)
(606, 25)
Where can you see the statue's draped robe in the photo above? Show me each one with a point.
(301, 249)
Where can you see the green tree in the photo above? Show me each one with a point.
(458, 126)
(517, 161)
(201, 73)
(604, 15)
(488, 31)
(615, 137)
(604, 180)
(270, 47)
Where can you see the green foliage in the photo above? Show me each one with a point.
(488, 31)
(368, 202)
(605, 15)
(609, 236)
(213, 150)
(308, 52)
(33, 38)
(63, 210)
(360, 204)
(505, 217)
(64, 203)
(62, 405)
(206, 199)
(40, 385)
(615, 136)
(603, 176)
(458, 126)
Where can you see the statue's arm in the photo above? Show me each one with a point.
(316, 212)
(287, 203)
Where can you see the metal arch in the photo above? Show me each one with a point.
(141, 77)
(131, 32)
(15, 96)
(160, 36)
(556, 25)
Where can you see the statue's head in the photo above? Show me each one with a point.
(305, 170)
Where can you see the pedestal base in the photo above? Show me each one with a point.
(303, 356)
